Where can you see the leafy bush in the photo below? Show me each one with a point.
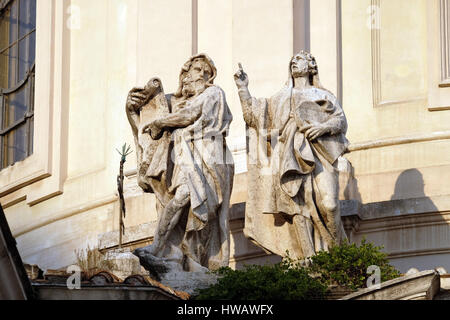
(346, 265)
(287, 280)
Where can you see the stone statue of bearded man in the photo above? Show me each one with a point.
(184, 160)
(295, 140)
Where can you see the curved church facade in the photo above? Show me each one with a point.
(387, 62)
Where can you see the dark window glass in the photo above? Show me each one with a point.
(17, 145)
(23, 60)
(13, 22)
(4, 29)
(17, 106)
(4, 68)
(17, 60)
(27, 17)
(12, 66)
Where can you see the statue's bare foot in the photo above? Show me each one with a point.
(159, 267)
(148, 250)
(194, 266)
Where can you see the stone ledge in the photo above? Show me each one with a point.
(395, 208)
(139, 233)
(105, 292)
(145, 231)
(423, 285)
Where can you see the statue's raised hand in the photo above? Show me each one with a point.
(136, 99)
(241, 78)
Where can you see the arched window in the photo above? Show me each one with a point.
(17, 63)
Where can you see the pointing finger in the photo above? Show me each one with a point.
(240, 67)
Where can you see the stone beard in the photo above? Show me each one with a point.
(183, 158)
(296, 139)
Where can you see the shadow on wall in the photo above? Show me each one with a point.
(409, 185)
(245, 251)
(417, 244)
(348, 181)
(408, 198)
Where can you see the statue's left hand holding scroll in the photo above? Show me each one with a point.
(149, 104)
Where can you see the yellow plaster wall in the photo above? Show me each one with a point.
(122, 43)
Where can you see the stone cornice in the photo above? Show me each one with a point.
(380, 143)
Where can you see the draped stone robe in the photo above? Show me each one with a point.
(204, 163)
(195, 156)
(289, 175)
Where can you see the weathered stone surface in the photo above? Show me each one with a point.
(296, 142)
(412, 271)
(445, 281)
(103, 278)
(189, 282)
(135, 280)
(337, 292)
(183, 159)
(104, 285)
(423, 285)
(108, 292)
(123, 263)
(136, 233)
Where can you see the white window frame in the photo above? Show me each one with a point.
(41, 175)
(445, 43)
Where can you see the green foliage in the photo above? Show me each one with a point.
(125, 152)
(346, 265)
(287, 280)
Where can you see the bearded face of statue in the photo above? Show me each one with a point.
(194, 81)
